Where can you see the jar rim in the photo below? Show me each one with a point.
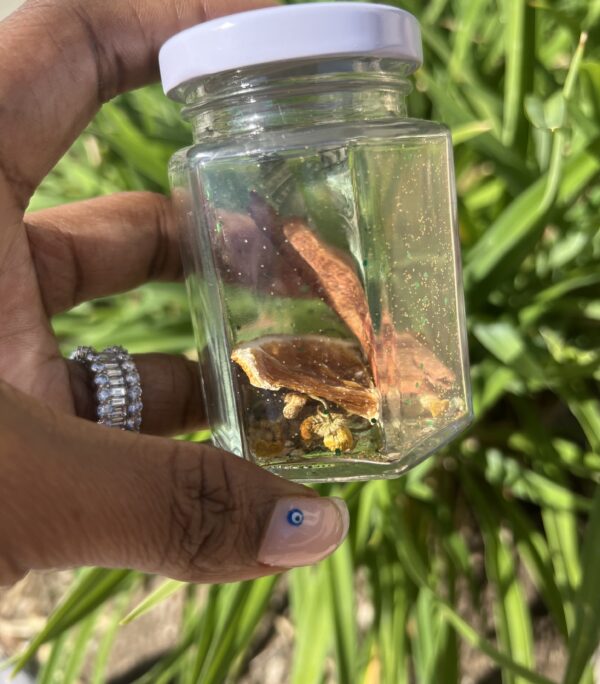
(289, 33)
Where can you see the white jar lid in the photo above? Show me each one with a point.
(292, 32)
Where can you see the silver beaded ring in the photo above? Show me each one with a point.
(117, 383)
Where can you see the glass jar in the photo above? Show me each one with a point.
(319, 240)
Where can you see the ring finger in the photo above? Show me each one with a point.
(172, 394)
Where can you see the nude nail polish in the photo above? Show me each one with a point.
(303, 530)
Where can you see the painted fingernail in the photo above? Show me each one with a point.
(303, 530)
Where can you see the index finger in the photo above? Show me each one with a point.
(61, 59)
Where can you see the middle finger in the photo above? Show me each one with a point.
(108, 245)
(103, 246)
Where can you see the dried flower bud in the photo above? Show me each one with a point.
(341, 440)
(332, 428)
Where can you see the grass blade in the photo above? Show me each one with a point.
(520, 222)
(343, 607)
(533, 550)
(98, 674)
(392, 599)
(518, 226)
(519, 36)
(245, 616)
(587, 412)
(310, 608)
(586, 635)
(80, 645)
(469, 16)
(52, 670)
(561, 532)
(192, 624)
(468, 131)
(512, 617)
(93, 588)
(501, 659)
(221, 630)
(425, 616)
(166, 589)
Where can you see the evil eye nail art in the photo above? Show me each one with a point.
(303, 530)
(295, 517)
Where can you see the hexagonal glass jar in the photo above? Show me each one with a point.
(322, 259)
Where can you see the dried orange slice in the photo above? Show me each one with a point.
(327, 272)
(320, 367)
(405, 366)
(338, 280)
(401, 365)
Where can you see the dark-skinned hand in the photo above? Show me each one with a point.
(73, 492)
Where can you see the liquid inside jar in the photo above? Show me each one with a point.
(329, 298)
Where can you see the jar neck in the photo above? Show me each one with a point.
(310, 94)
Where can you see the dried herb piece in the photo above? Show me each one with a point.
(293, 403)
(340, 440)
(401, 366)
(307, 433)
(241, 246)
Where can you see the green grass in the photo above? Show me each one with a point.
(520, 87)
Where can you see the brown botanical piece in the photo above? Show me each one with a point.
(331, 427)
(293, 404)
(322, 368)
(328, 385)
(406, 366)
(338, 280)
(325, 271)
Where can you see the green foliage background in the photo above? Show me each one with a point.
(520, 88)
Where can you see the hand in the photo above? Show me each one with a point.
(72, 492)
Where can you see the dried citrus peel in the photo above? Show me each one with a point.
(320, 367)
(406, 366)
(337, 279)
(325, 271)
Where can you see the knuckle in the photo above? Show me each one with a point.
(54, 254)
(108, 67)
(165, 262)
(18, 183)
(210, 517)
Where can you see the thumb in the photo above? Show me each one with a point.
(76, 493)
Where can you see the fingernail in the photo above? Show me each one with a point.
(303, 530)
